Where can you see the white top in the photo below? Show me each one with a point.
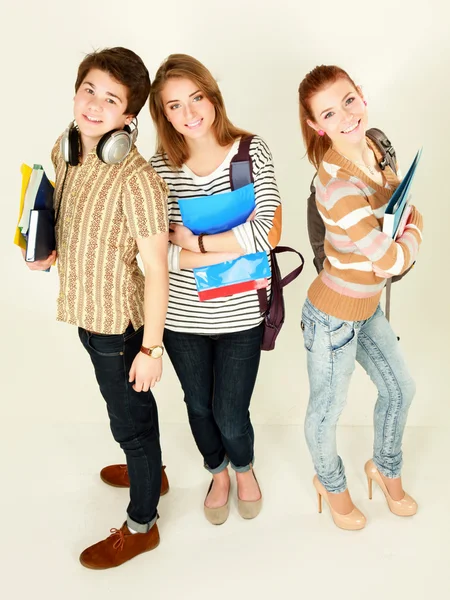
(233, 313)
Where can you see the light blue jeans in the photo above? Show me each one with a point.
(332, 347)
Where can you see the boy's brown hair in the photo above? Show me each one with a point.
(124, 66)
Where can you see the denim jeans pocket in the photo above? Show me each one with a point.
(342, 337)
(130, 333)
(105, 345)
(309, 330)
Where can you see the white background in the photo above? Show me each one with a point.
(259, 52)
(54, 427)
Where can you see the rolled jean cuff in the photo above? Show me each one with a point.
(244, 469)
(223, 465)
(141, 527)
(389, 472)
(336, 488)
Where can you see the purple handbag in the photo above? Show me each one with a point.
(273, 310)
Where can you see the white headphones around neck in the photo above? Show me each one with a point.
(112, 148)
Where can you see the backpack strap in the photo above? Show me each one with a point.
(382, 142)
(241, 174)
(241, 171)
(316, 228)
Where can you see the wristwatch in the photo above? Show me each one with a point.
(154, 351)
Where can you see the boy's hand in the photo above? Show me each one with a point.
(145, 372)
(41, 265)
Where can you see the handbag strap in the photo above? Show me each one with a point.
(289, 278)
(262, 294)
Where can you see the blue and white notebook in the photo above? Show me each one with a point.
(215, 214)
(398, 204)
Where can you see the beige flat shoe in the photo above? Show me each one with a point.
(406, 507)
(249, 509)
(353, 521)
(217, 516)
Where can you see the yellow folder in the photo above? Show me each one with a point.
(26, 171)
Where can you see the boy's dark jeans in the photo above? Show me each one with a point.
(218, 374)
(133, 418)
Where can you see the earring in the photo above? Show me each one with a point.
(365, 102)
(321, 132)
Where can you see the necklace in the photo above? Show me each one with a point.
(357, 162)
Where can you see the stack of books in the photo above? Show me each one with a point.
(35, 231)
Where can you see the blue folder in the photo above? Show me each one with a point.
(219, 212)
(399, 200)
(250, 266)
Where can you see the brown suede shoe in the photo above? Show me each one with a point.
(119, 547)
(117, 476)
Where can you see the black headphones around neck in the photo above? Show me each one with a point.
(112, 148)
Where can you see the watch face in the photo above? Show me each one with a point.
(157, 352)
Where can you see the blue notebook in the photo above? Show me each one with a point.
(399, 200)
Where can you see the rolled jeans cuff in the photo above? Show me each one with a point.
(141, 527)
(223, 465)
(389, 472)
(244, 469)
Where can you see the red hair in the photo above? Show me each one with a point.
(315, 81)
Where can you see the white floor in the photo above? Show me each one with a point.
(54, 505)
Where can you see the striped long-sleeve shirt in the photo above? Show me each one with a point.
(352, 207)
(233, 313)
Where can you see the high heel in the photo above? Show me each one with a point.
(217, 516)
(406, 507)
(352, 521)
(249, 509)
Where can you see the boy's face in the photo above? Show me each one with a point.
(99, 106)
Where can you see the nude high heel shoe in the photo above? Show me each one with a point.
(406, 507)
(352, 521)
(217, 516)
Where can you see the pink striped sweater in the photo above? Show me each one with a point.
(352, 207)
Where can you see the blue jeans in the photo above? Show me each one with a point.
(133, 419)
(218, 374)
(332, 347)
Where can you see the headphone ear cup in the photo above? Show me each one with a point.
(73, 146)
(101, 144)
(114, 146)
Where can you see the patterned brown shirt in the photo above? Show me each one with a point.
(103, 209)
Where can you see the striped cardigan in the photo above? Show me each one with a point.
(352, 207)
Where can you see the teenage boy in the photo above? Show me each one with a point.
(111, 205)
